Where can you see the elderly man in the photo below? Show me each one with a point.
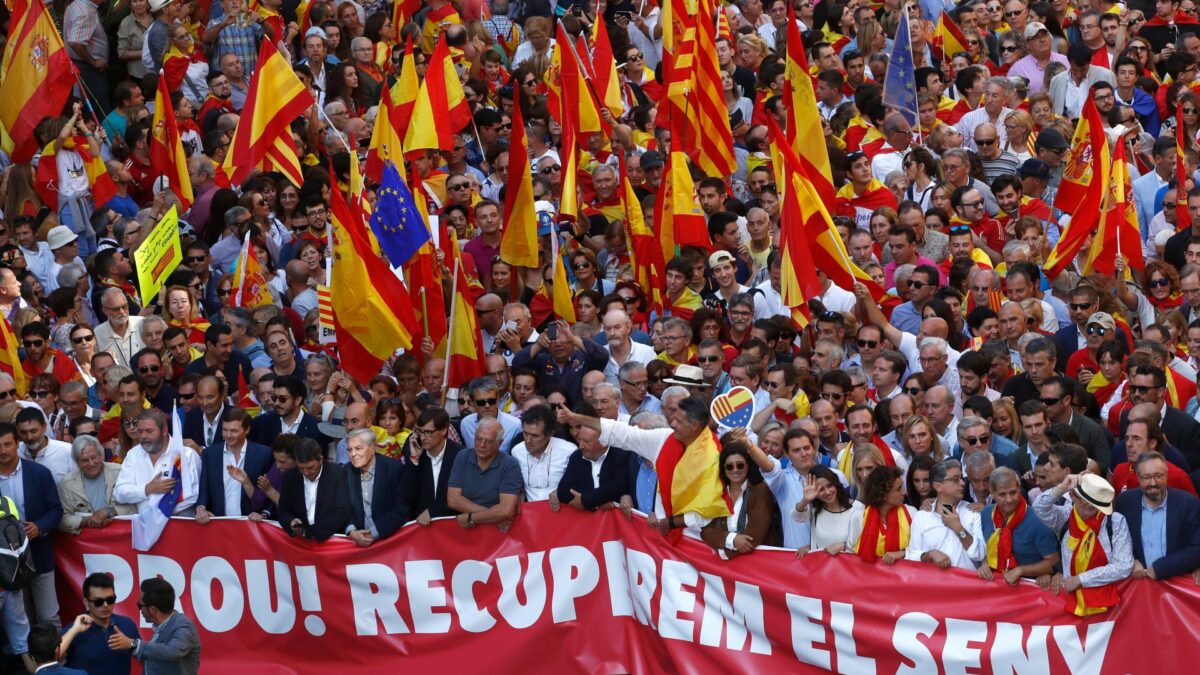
(542, 456)
(375, 484)
(485, 485)
(1164, 522)
(938, 408)
(222, 465)
(1016, 545)
(634, 395)
(357, 416)
(596, 476)
(36, 446)
(86, 494)
(622, 349)
(485, 401)
(974, 435)
(688, 452)
(142, 481)
(1089, 584)
(120, 334)
(314, 501)
(516, 332)
(949, 535)
(898, 137)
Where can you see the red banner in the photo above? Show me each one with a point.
(596, 593)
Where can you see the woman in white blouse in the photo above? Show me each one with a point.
(829, 510)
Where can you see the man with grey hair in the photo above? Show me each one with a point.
(225, 252)
(485, 485)
(827, 355)
(979, 467)
(37, 446)
(677, 341)
(152, 329)
(1034, 549)
(203, 173)
(635, 396)
(958, 170)
(87, 492)
(484, 394)
(993, 110)
(938, 407)
(897, 134)
(241, 322)
(606, 399)
(375, 484)
(622, 349)
(142, 481)
(120, 335)
(948, 534)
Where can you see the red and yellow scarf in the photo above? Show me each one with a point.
(881, 534)
(1088, 554)
(1000, 555)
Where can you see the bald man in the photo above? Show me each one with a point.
(357, 416)
(488, 312)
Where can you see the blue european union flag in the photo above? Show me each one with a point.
(396, 222)
(900, 81)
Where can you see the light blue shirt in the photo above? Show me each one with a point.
(788, 487)
(907, 317)
(1154, 532)
(1145, 189)
(512, 427)
(647, 486)
(13, 487)
(650, 404)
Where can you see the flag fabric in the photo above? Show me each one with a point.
(1183, 217)
(1084, 184)
(440, 110)
(102, 185)
(36, 77)
(10, 361)
(948, 38)
(386, 142)
(564, 305)
(723, 29)
(1119, 234)
(406, 88)
(371, 306)
(403, 12)
(326, 322)
(166, 147)
(712, 145)
(397, 224)
(604, 69)
(263, 138)
(645, 254)
(518, 244)
(678, 219)
(465, 356)
(900, 80)
(154, 513)
(805, 132)
(569, 98)
(250, 282)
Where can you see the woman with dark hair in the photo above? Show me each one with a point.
(939, 308)
(883, 530)
(343, 84)
(752, 512)
(923, 175)
(657, 371)
(392, 427)
(587, 310)
(830, 511)
(917, 486)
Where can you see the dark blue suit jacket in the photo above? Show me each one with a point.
(193, 427)
(43, 509)
(212, 475)
(614, 479)
(267, 426)
(1183, 531)
(389, 504)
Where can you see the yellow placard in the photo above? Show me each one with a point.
(159, 255)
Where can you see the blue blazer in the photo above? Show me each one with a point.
(212, 475)
(389, 503)
(43, 509)
(614, 479)
(1183, 531)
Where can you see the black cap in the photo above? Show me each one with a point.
(1034, 168)
(651, 159)
(1052, 138)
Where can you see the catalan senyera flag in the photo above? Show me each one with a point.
(1119, 233)
(674, 19)
(440, 110)
(166, 148)
(263, 139)
(10, 362)
(948, 38)
(103, 188)
(564, 305)
(645, 254)
(1183, 217)
(723, 29)
(712, 147)
(518, 244)
(464, 353)
(249, 281)
(371, 305)
(604, 67)
(1084, 184)
(36, 77)
(805, 133)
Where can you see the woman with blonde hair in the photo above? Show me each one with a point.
(866, 459)
(751, 50)
(918, 438)
(1019, 128)
(179, 308)
(20, 197)
(1005, 421)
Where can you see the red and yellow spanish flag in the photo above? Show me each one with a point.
(645, 254)
(102, 185)
(798, 271)
(405, 89)
(948, 38)
(678, 219)
(403, 12)
(372, 307)
(712, 147)
(166, 148)
(1083, 187)
(518, 244)
(1183, 217)
(36, 77)
(9, 361)
(465, 357)
(249, 281)
(440, 110)
(386, 141)
(263, 138)
(1083, 538)
(568, 98)
(604, 67)
(1119, 234)
(805, 133)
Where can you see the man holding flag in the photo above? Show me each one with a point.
(160, 476)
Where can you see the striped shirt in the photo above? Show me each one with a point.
(81, 25)
(1005, 164)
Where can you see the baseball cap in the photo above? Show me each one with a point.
(1052, 138)
(719, 258)
(651, 159)
(1033, 28)
(1034, 168)
(1102, 319)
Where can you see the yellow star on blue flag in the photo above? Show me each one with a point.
(396, 222)
(899, 83)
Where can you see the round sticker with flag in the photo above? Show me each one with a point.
(734, 408)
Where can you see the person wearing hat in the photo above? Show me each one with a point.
(1069, 90)
(1032, 67)
(1096, 548)
(723, 267)
(1034, 175)
(64, 245)
(157, 38)
(651, 163)
(691, 377)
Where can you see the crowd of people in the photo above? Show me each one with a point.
(980, 416)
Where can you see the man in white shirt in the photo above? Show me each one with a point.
(950, 534)
(230, 470)
(36, 446)
(120, 335)
(897, 134)
(542, 457)
(621, 348)
(146, 471)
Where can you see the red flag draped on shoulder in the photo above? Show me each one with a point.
(263, 138)
(1183, 217)
(1119, 234)
(36, 77)
(805, 134)
(440, 110)
(1084, 184)
(166, 148)
(518, 244)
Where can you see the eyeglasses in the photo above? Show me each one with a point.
(41, 393)
(458, 186)
(1141, 388)
(914, 391)
(110, 600)
(978, 204)
(186, 397)
(129, 424)
(735, 466)
(1160, 282)
(485, 403)
(1080, 306)
(707, 359)
(1138, 48)
(550, 169)
(529, 83)
(1050, 400)
(985, 141)
(82, 339)
(33, 343)
(771, 385)
(635, 57)
(868, 344)
(636, 385)
(959, 229)
(224, 291)
(583, 265)
(192, 258)
(1008, 49)
(629, 299)
(149, 369)
(1010, 15)
(918, 285)
(1095, 329)
(11, 393)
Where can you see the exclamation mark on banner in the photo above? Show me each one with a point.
(310, 599)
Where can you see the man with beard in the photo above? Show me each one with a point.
(147, 467)
(1164, 522)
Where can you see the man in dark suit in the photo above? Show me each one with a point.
(1148, 384)
(376, 487)
(288, 417)
(1040, 359)
(1058, 395)
(313, 502)
(428, 471)
(595, 475)
(40, 511)
(1164, 522)
(43, 649)
(222, 492)
(220, 354)
(202, 424)
(174, 647)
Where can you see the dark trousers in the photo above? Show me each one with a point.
(97, 84)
